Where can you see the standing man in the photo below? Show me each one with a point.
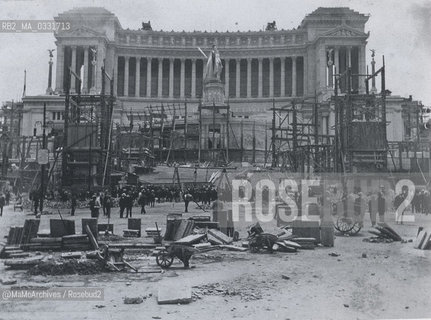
(2, 203)
(102, 202)
(122, 204)
(73, 204)
(129, 205)
(35, 199)
(187, 198)
(141, 201)
(107, 204)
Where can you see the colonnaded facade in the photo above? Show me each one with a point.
(153, 67)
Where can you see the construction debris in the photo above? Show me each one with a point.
(220, 236)
(25, 263)
(72, 266)
(135, 300)
(383, 233)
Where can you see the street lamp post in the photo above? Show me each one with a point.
(43, 159)
(4, 140)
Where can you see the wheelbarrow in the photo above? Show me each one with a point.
(165, 257)
(351, 222)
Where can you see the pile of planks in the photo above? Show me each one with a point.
(76, 242)
(383, 233)
(23, 235)
(217, 237)
(423, 239)
(15, 235)
(43, 244)
(12, 252)
(178, 229)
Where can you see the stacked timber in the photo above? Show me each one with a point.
(305, 243)
(15, 235)
(76, 242)
(43, 244)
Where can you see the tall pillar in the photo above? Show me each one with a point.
(182, 77)
(73, 67)
(115, 74)
(193, 78)
(99, 63)
(337, 66)
(126, 76)
(249, 77)
(330, 69)
(322, 67)
(226, 78)
(325, 125)
(293, 76)
(349, 56)
(149, 77)
(260, 80)
(362, 68)
(60, 67)
(238, 78)
(305, 74)
(85, 75)
(283, 76)
(171, 78)
(160, 78)
(271, 77)
(138, 76)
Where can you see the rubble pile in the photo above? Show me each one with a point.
(64, 267)
(217, 289)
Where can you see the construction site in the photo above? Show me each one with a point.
(172, 175)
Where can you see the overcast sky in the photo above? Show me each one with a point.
(401, 30)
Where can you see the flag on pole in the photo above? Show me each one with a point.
(25, 80)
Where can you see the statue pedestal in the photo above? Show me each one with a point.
(213, 93)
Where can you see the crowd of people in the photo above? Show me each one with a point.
(131, 196)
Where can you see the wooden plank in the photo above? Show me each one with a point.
(31, 227)
(292, 244)
(191, 239)
(180, 230)
(220, 236)
(91, 237)
(281, 246)
(24, 263)
(71, 255)
(233, 248)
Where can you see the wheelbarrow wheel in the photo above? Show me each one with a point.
(344, 225)
(356, 228)
(164, 260)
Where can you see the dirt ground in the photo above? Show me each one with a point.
(392, 282)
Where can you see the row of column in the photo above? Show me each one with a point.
(333, 54)
(193, 76)
(91, 60)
